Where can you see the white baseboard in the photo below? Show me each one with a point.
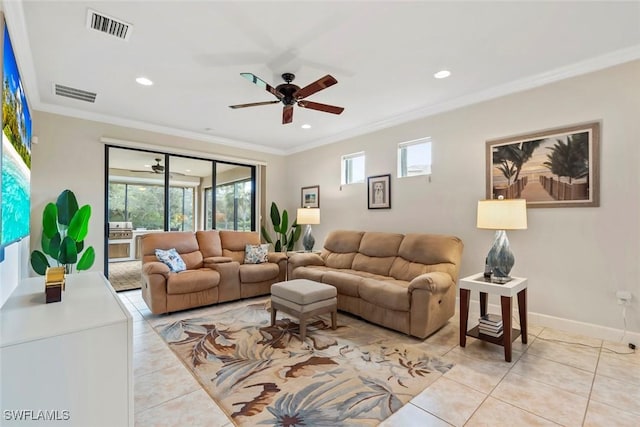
(572, 326)
(586, 329)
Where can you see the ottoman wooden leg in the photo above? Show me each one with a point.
(273, 315)
(303, 328)
(334, 319)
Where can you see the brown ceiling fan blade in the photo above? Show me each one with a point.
(321, 107)
(261, 83)
(253, 104)
(318, 85)
(287, 114)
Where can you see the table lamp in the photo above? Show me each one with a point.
(308, 216)
(501, 215)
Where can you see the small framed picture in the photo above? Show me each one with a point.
(310, 197)
(379, 196)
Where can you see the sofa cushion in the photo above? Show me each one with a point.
(393, 295)
(311, 272)
(190, 281)
(377, 244)
(344, 281)
(209, 243)
(234, 242)
(171, 259)
(256, 254)
(340, 247)
(183, 242)
(253, 273)
(406, 270)
(372, 264)
(342, 241)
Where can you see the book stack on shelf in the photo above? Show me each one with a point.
(490, 324)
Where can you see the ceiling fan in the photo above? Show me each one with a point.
(157, 168)
(290, 94)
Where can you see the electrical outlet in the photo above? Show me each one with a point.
(624, 297)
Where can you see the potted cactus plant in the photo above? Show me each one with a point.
(64, 228)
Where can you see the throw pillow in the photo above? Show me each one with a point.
(256, 254)
(172, 259)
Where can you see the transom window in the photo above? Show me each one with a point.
(353, 168)
(414, 157)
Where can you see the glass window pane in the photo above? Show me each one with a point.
(234, 193)
(414, 158)
(208, 208)
(353, 168)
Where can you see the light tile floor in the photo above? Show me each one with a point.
(556, 379)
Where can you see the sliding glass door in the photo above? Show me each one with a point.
(149, 191)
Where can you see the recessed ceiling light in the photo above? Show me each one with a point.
(306, 126)
(187, 170)
(442, 74)
(147, 166)
(144, 81)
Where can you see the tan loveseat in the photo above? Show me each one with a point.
(403, 282)
(216, 271)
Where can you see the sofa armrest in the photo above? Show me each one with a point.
(436, 282)
(276, 257)
(210, 262)
(155, 267)
(305, 258)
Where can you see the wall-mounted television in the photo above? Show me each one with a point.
(15, 160)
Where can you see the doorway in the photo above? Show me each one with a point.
(149, 191)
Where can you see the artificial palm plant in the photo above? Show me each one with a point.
(286, 237)
(64, 228)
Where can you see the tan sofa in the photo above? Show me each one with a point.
(404, 282)
(215, 269)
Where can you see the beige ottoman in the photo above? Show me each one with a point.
(303, 299)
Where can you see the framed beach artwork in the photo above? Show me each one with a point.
(15, 157)
(310, 197)
(552, 168)
(379, 192)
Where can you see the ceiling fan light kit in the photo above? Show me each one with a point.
(290, 95)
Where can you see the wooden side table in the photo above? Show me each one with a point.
(477, 283)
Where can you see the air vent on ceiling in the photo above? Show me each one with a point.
(108, 25)
(73, 93)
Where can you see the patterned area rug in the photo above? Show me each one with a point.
(264, 375)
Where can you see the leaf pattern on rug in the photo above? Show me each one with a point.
(377, 396)
(304, 368)
(257, 405)
(264, 375)
(207, 339)
(280, 334)
(310, 406)
(247, 360)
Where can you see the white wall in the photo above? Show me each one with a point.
(70, 155)
(575, 258)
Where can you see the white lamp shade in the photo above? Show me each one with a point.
(505, 214)
(308, 216)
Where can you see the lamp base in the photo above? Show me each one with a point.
(307, 239)
(500, 257)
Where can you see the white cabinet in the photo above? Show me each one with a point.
(68, 362)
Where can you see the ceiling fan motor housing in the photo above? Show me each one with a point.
(288, 92)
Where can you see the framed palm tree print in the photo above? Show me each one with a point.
(551, 168)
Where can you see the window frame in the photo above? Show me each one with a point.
(402, 161)
(344, 173)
